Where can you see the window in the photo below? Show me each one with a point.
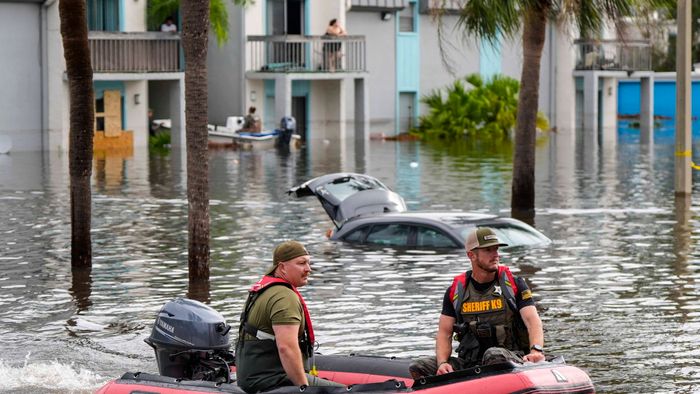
(389, 235)
(517, 236)
(357, 236)
(429, 237)
(103, 15)
(509, 234)
(407, 22)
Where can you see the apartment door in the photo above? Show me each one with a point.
(286, 18)
(299, 113)
(407, 111)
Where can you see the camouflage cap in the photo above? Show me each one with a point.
(286, 251)
(482, 237)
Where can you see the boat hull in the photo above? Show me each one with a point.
(390, 375)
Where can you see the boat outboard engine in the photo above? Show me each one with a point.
(288, 126)
(191, 341)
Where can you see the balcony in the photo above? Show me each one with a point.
(306, 54)
(142, 52)
(613, 55)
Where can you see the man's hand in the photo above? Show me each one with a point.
(444, 368)
(534, 356)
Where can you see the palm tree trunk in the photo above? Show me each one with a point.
(82, 118)
(523, 188)
(195, 35)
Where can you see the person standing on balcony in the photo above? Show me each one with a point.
(331, 51)
(169, 25)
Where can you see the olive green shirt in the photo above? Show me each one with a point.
(277, 305)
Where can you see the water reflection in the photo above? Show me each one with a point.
(81, 288)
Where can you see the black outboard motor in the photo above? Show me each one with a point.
(191, 341)
(288, 126)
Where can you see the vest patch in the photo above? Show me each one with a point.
(527, 294)
(483, 306)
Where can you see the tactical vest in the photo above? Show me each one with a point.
(492, 317)
(258, 365)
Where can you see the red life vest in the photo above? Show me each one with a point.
(267, 281)
(459, 283)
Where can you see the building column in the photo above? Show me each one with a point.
(283, 97)
(646, 118)
(608, 107)
(590, 115)
(361, 124)
(177, 113)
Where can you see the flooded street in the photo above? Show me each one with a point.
(618, 290)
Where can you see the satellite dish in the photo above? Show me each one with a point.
(5, 144)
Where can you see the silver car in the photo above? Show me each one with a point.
(365, 211)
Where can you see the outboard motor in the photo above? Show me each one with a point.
(191, 341)
(288, 126)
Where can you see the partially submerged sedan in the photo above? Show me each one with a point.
(365, 211)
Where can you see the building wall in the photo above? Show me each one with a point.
(226, 70)
(321, 12)
(326, 103)
(380, 38)
(20, 79)
(136, 111)
(134, 16)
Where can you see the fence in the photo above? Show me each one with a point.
(306, 54)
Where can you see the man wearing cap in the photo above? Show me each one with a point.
(489, 311)
(276, 338)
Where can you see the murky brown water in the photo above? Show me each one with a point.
(618, 289)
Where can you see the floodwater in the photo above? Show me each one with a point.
(618, 289)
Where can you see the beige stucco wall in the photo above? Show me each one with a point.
(134, 15)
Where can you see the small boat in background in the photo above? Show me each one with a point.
(233, 133)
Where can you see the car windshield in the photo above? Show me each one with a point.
(510, 234)
(343, 188)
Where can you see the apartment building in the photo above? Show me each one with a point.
(134, 70)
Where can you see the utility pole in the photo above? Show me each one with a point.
(683, 177)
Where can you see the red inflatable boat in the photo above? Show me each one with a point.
(192, 350)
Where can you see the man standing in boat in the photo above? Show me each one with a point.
(276, 338)
(489, 311)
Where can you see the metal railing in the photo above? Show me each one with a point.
(134, 52)
(316, 54)
(613, 55)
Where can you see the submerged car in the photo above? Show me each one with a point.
(365, 211)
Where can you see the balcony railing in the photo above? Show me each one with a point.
(613, 55)
(134, 52)
(312, 54)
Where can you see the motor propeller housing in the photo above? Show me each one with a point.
(191, 341)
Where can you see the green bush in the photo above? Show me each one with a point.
(160, 142)
(484, 109)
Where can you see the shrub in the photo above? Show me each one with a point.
(484, 109)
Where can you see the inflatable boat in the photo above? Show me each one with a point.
(192, 350)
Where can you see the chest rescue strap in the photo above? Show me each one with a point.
(306, 343)
(506, 280)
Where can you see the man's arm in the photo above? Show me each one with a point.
(443, 344)
(287, 338)
(534, 328)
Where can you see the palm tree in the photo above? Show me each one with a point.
(82, 118)
(488, 19)
(195, 39)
